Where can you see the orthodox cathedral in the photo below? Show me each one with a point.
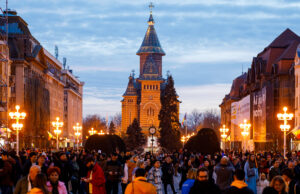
(141, 99)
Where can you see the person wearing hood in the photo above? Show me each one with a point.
(251, 173)
(203, 184)
(238, 186)
(224, 173)
(95, 177)
(140, 185)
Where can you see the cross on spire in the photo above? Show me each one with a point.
(151, 6)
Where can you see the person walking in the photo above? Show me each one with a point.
(40, 185)
(95, 177)
(238, 186)
(203, 185)
(113, 173)
(6, 180)
(140, 185)
(167, 174)
(188, 184)
(154, 176)
(25, 184)
(251, 173)
(54, 185)
(224, 173)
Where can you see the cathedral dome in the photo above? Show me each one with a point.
(151, 43)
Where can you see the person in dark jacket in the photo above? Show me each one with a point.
(203, 184)
(167, 174)
(288, 177)
(25, 184)
(29, 162)
(238, 186)
(65, 166)
(274, 170)
(276, 186)
(224, 172)
(6, 181)
(113, 173)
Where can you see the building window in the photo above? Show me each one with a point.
(150, 112)
(144, 87)
(150, 87)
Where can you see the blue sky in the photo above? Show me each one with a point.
(206, 42)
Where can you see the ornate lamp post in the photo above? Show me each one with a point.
(245, 126)
(57, 131)
(101, 132)
(152, 131)
(92, 131)
(17, 126)
(77, 128)
(183, 138)
(285, 117)
(223, 131)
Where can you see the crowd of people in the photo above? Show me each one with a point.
(81, 172)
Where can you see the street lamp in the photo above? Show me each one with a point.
(92, 131)
(245, 126)
(285, 127)
(183, 138)
(57, 131)
(152, 131)
(77, 128)
(223, 131)
(17, 126)
(101, 132)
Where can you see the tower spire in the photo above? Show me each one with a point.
(151, 20)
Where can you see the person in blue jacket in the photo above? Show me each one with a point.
(251, 173)
(187, 185)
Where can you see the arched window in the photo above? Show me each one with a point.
(144, 87)
(150, 111)
(150, 87)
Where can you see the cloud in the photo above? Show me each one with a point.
(201, 97)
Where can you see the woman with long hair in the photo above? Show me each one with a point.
(39, 185)
(251, 173)
(277, 186)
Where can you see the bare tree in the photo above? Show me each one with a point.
(194, 120)
(117, 119)
(93, 121)
(211, 119)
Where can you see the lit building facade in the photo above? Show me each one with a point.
(141, 99)
(270, 85)
(37, 83)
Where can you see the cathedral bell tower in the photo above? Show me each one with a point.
(142, 97)
(150, 77)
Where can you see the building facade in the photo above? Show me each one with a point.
(37, 83)
(141, 99)
(269, 86)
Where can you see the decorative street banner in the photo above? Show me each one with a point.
(259, 116)
(239, 112)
